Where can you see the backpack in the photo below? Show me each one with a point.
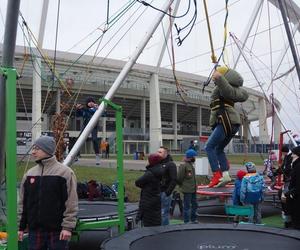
(252, 189)
(82, 190)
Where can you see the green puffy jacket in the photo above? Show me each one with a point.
(230, 88)
(186, 178)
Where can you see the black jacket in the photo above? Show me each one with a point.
(286, 167)
(169, 179)
(293, 194)
(150, 204)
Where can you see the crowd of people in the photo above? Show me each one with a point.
(48, 203)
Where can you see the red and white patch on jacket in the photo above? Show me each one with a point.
(32, 180)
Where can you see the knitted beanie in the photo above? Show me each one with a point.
(154, 159)
(222, 69)
(47, 144)
(296, 151)
(240, 174)
(191, 153)
(250, 166)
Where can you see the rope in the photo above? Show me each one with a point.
(213, 55)
(179, 88)
(223, 48)
(56, 37)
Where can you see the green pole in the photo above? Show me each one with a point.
(11, 152)
(120, 174)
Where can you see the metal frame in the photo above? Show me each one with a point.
(120, 221)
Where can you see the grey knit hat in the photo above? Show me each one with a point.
(47, 144)
(250, 166)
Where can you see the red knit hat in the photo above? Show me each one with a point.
(240, 174)
(154, 159)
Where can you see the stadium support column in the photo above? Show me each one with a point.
(36, 100)
(199, 121)
(246, 126)
(143, 120)
(263, 126)
(155, 130)
(155, 116)
(37, 82)
(174, 118)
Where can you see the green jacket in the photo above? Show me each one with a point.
(230, 88)
(186, 178)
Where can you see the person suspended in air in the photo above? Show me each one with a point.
(224, 120)
(86, 112)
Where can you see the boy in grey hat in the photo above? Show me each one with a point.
(48, 203)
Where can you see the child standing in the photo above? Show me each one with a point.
(150, 204)
(252, 190)
(237, 188)
(187, 182)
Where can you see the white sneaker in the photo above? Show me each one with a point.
(224, 180)
(97, 159)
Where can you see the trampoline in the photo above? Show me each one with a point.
(100, 210)
(205, 236)
(225, 191)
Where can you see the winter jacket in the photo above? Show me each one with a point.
(286, 167)
(168, 183)
(293, 194)
(186, 178)
(86, 114)
(252, 188)
(150, 203)
(229, 88)
(48, 198)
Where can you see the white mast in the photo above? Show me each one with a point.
(128, 66)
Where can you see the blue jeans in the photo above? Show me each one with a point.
(189, 207)
(165, 208)
(40, 240)
(215, 145)
(256, 217)
(95, 140)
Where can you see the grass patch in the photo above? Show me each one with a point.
(273, 221)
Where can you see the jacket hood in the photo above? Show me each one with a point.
(253, 178)
(156, 170)
(234, 78)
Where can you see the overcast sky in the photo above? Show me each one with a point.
(82, 22)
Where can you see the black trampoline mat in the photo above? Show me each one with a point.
(215, 239)
(102, 209)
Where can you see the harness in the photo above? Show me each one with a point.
(219, 105)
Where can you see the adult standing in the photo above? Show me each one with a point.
(107, 150)
(168, 183)
(293, 193)
(48, 202)
(224, 120)
(285, 169)
(188, 185)
(150, 204)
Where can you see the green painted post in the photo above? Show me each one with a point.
(11, 152)
(120, 174)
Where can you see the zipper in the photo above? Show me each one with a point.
(40, 194)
